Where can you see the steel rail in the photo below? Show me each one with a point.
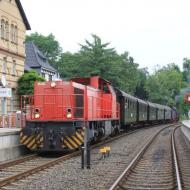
(179, 186)
(20, 175)
(48, 164)
(17, 161)
(134, 161)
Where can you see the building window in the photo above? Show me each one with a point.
(6, 30)
(4, 66)
(14, 34)
(46, 77)
(50, 77)
(14, 68)
(12, 101)
(3, 80)
(43, 75)
(2, 28)
(3, 106)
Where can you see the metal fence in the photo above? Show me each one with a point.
(11, 120)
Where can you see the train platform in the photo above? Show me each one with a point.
(186, 128)
(10, 147)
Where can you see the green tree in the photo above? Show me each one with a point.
(165, 84)
(26, 83)
(186, 69)
(140, 90)
(97, 58)
(48, 45)
(69, 65)
(127, 73)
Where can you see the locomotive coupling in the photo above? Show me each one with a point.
(51, 138)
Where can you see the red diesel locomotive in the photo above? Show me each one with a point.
(59, 110)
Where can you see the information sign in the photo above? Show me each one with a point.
(5, 92)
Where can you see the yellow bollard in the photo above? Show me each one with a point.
(103, 151)
(107, 150)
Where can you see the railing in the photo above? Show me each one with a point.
(8, 121)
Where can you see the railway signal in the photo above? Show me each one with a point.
(187, 98)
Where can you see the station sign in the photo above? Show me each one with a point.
(5, 92)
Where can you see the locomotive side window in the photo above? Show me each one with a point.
(79, 102)
(106, 89)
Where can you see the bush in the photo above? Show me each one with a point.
(26, 83)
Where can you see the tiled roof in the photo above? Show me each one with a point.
(27, 68)
(35, 58)
(25, 20)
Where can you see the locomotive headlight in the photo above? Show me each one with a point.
(53, 84)
(36, 115)
(69, 114)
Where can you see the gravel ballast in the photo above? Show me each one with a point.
(103, 172)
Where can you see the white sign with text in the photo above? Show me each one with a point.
(5, 92)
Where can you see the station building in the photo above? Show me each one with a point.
(13, 26)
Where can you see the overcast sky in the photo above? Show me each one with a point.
(155, 32)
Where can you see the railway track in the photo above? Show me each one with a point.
(154, 167)
(21, 168)
(18, 169)
(183, 157)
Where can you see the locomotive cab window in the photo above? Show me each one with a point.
(106, 89)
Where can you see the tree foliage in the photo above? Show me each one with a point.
(26, 83)
(165, 84)
(140, 90)
(186, 72)
(97, 58)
